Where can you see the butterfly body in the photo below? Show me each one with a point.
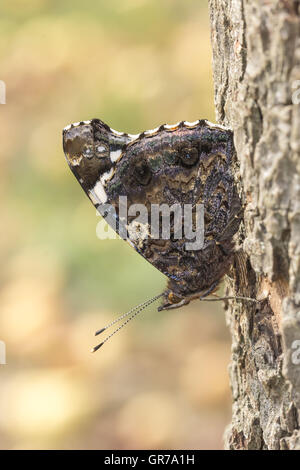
(181, 165)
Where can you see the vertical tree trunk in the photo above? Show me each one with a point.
(256, 56)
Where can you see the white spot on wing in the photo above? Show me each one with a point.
(106, 176)
(116, 132)
(217, 126)
(152, 131)
(133, 136)
(67, 128)
(191, 124)
(138, 232)
(171, 126)
(98, 194)
(114, 156)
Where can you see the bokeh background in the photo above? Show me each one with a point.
(162, 382)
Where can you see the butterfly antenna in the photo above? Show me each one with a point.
(143, 304)
(138, 309)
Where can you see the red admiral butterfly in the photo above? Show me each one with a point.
(185, 164)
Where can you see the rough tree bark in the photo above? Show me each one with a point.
(256, 57)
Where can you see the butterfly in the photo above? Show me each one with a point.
(188, 164)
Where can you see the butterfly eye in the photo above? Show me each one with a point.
(143, 174)
(189, 156)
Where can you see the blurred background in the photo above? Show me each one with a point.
(162, 382)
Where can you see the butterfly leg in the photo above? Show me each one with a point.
(214, 286)
(210, 290)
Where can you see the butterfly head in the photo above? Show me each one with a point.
(172, 300)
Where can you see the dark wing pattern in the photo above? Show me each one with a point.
(172, 165)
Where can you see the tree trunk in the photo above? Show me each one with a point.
(256, 56)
